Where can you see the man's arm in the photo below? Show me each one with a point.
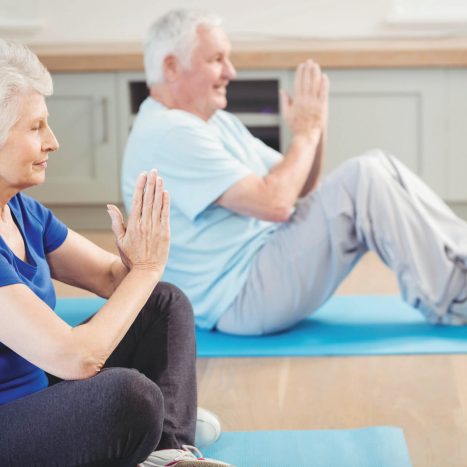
(273, 197)
(317, 167)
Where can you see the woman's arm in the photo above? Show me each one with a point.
(83, 264)
(31, 329)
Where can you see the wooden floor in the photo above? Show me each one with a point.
(424, 395)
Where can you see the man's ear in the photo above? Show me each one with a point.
(171, 68)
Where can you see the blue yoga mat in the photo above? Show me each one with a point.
(75, 310)
(367, 447)
(346, 325)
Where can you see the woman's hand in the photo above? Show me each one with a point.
(144, 242)
(306, 113)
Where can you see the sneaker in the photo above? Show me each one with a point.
(208, 428)
(188, 456)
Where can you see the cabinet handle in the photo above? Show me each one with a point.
(105, 120)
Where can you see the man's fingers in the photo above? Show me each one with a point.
(305, 80)
(298, 88)
(285, 102)
(324, 90)
(308, 79)
(315, 79)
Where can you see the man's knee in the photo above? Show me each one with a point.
(374, 163)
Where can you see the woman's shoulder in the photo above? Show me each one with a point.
(26, 206)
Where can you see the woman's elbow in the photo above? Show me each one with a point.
(77, 367)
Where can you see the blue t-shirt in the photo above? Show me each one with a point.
(42, 233)
(212, 248)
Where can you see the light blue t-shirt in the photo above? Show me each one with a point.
(212, 248)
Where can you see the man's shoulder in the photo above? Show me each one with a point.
(225, 119)
(154, 115)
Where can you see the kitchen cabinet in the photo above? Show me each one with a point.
(83, 115)
(415, 113)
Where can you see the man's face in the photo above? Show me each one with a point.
(202, 87)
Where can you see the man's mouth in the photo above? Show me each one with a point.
(42, 163)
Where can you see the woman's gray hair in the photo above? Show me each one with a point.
(20, 72)
(175, 33)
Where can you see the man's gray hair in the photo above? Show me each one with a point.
(20, 72)
(175, 33)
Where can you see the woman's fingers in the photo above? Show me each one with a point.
(137, 201)
(165, 212)
(158, 200)
(148, 198)
(116, 217)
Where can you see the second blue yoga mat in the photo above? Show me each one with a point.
(346, 325)
(367, 447)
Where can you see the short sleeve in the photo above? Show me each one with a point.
(8, 274)
(269, 156)
(54, 231)
(196, 168)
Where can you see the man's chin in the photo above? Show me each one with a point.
(222, 102)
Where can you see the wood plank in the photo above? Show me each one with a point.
(274, 54)
(426, 395)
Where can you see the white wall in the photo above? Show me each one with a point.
(75, 21)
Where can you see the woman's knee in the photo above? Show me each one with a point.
(133, 401)
(172, 300)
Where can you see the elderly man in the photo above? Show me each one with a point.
(257, 244)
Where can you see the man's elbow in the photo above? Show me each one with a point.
(279, 213)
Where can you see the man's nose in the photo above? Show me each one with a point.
(229, 70)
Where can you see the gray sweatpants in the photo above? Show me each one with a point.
(371, 202)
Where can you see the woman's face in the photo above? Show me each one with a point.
(23, 157)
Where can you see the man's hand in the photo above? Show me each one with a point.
(307, 112)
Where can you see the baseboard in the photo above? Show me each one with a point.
(96, 218)
(85, 217)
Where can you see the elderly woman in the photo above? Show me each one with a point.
(120, 386)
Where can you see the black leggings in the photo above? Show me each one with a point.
(144, 399)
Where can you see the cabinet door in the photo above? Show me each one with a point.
(457, 118)
(253, 97)
(85, 169)
(400, 111)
